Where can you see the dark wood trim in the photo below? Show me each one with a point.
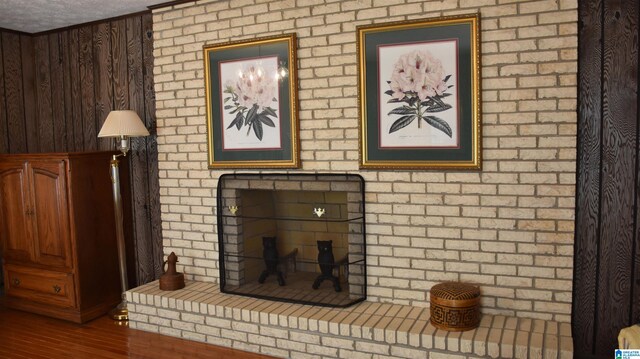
(606, 290)
(29, 83)
(90, 23)
(169, 3)
(67, 91)
(120, 88)
(76, 98)
(620, 115)
(43, 94)
(4, 128)
(2, 29)
(103, 78)
(14, 92)
(77, 26)
(140, 196)
(152, 146)
(57, 93)
(88, 95)
(635, 275)
(588, 177)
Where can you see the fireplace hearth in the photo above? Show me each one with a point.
(293, 237)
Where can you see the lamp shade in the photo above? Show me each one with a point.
(123, 123)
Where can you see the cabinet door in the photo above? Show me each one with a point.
(15, 225)
(50, 217)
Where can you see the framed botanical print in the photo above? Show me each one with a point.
(419, 94)
(251, 97)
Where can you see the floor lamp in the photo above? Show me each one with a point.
(122, 125)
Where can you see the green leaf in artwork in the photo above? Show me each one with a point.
(269, 111)
(438, 100)
(403, 110)
(402, 122)
(266, 120)
(428, 102)
(240, 118)
(251, 114)
(257, 129)
(438, 107)
(440, 124)
(237, 121)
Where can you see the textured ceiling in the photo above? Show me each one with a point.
(42, 15)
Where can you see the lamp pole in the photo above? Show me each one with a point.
(119, 313)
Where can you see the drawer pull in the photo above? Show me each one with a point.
(56, 289)
(16, 282)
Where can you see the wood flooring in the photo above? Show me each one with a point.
(29, 336)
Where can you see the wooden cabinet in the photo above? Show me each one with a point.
(58, 234)
(30, 188)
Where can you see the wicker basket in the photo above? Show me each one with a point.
(455, 306)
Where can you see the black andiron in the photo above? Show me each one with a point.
(327, 262)
(271, 259)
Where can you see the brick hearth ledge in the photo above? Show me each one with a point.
(366, 330)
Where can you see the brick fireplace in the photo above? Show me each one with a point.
(508, 228)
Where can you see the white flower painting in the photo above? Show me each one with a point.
(418, 95)
(250, 101)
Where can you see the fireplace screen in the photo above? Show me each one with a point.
(293, 237)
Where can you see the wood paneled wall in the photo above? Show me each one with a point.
(56, 90)
(606, 295)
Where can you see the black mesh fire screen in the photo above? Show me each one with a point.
(293, 237)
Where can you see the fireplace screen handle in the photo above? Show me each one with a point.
(233, 209)
(318, 212)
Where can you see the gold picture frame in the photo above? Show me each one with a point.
(419, 94)
(252, 103)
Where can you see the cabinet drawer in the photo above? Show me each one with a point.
(41, 286)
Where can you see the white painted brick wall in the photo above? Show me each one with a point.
(508, 228)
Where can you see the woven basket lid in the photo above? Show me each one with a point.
(455, 291)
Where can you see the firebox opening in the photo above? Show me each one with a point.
(303, 244)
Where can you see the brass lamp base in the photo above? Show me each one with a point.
(120, 313)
